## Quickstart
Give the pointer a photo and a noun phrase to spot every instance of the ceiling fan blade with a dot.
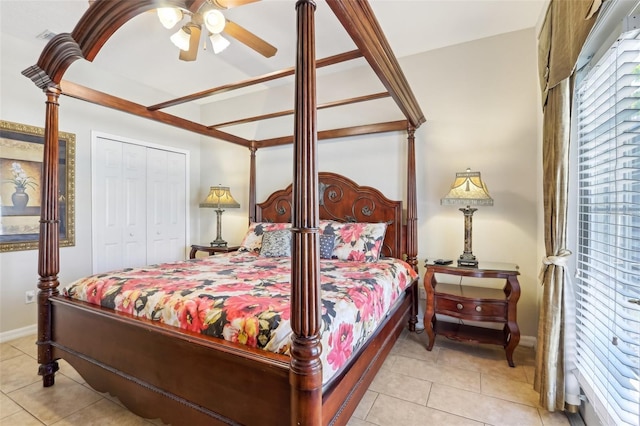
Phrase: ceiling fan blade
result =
(194, 43)
(248, 38)
(228, 4)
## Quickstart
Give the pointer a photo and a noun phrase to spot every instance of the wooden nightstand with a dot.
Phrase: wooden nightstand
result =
(211, 250)
(474, 303)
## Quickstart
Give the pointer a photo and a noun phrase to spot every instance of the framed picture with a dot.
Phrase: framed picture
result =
(21, 156)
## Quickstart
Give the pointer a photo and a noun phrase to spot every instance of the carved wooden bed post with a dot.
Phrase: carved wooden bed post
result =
(412, 212)
(412, 218)
(61, 51)
(305, 376)
(252, 184)
(48, 252)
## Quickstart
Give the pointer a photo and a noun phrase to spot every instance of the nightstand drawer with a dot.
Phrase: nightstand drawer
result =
(478, 310)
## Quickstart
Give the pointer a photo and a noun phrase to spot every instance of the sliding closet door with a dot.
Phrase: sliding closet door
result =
(166, 200)
(139, 204)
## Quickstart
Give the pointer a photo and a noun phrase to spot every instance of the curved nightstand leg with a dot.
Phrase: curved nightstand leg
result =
(512, 337)
(430, 310)
(429, 327)
(413, 316)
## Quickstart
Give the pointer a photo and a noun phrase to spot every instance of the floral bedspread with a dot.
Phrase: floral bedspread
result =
(244, 298)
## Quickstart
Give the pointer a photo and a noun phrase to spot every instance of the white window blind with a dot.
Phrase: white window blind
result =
(608, 258)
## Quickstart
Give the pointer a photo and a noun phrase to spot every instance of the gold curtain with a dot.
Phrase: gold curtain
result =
(549, 377)
(563, 33)
(562, 36)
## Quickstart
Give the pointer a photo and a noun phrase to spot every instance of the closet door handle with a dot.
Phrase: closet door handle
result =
(636, 301)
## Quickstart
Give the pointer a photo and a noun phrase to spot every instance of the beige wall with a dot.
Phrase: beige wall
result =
(481, 106)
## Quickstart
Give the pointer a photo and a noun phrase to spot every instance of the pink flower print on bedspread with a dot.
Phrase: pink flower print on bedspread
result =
(192, 313)
(361, 296)
(95, 291)
(340, 345)
(243, 330)
(126, 301)
(252, 319)
(249, 305)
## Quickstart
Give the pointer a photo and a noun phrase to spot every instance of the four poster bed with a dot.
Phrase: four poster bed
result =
(182, 374)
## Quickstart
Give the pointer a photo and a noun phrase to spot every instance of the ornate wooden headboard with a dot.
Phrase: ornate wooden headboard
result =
(343, 200)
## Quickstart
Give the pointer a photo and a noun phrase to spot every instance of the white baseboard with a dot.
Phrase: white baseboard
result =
(6, 336)
(528, 341)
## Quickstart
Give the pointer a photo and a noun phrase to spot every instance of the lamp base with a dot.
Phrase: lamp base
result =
(468, 259)
(218, 243)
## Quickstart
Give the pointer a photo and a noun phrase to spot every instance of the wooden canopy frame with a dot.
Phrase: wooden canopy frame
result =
(97, 25)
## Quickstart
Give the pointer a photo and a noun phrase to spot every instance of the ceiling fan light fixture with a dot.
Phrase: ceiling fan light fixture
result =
(219, 43)
(169, 16)
(214, 20)
(181, 38)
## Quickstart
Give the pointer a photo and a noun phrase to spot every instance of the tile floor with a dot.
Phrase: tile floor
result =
(455, 384)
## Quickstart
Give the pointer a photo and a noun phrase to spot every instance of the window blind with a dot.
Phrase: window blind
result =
(608, 240)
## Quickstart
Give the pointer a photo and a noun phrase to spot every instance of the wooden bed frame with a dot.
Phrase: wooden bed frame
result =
(187, 378)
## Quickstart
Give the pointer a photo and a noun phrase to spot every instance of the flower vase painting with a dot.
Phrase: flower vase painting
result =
(22, 181)
(21, 157)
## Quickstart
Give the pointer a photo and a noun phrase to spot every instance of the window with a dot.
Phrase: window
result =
(608, 240)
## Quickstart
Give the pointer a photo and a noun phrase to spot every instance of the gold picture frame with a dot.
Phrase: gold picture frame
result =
(21, 156)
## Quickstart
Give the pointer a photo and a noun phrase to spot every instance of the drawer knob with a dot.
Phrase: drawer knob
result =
(459, 306)
(478, 308)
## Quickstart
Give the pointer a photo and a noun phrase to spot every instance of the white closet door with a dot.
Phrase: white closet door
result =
(134, 204)
(119, 198)
(166, 200)
(139, 204)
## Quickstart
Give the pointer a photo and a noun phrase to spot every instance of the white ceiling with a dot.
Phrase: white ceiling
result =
(411, 26)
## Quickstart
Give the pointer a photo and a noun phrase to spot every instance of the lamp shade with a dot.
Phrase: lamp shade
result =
(169, 16)
(219, 43)
(220, 197)
(214, 20)
(468, 189)
(181, 38)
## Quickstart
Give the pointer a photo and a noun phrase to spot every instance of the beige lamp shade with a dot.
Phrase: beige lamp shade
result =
(468, 189)
(220, 198)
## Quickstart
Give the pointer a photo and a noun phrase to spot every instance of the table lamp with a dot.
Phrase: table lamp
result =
(468, 190)
(219, 198)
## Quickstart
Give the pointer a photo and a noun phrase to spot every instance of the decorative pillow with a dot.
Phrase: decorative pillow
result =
(357, 241)
(252, 241)
(276, 243)
(326, 246)
(324, 223)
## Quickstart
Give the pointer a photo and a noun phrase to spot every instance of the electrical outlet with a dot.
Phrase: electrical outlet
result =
(422, 294)
(30, 296)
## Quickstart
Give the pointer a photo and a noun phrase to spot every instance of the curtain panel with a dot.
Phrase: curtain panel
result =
(550, 371)
(564, 31)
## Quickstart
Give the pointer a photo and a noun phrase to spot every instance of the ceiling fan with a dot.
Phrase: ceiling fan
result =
(209, 16)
